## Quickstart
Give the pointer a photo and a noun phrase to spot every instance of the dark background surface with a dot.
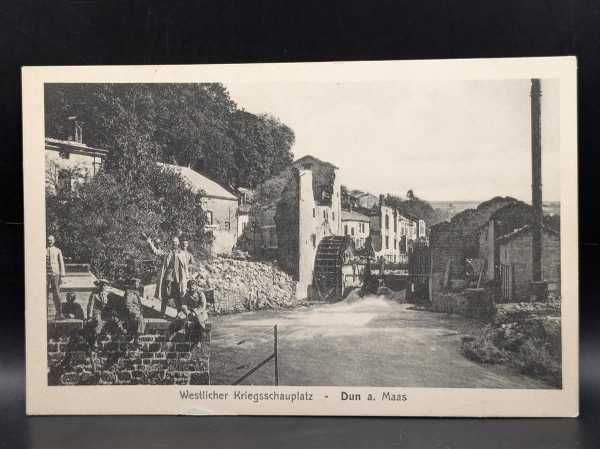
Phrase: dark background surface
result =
(82, 32)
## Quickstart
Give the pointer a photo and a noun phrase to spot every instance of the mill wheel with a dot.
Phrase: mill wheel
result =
(329, 259)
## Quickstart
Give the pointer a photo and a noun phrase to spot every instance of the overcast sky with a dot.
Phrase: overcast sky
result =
(466, 140)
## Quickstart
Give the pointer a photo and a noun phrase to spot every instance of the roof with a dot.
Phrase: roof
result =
(309, 158)
(200, 182)
(524, 229)
(71, 146)
(351, 215)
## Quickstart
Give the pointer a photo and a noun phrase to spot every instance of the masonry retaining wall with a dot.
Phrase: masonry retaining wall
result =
(119, 361)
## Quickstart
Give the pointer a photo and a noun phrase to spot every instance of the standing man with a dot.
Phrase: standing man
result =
(55, 271)
(187, 255)
(172, 279)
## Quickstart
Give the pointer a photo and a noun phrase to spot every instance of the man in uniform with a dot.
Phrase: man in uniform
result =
(192, 317)
(173, 274)
(195, 300)
(187, 255)
(133, 309)
(71, 309)
(55, 271)
(98, 311)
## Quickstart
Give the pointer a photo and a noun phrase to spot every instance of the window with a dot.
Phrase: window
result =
(228, 226)
(395, 226)
(345, 229)
(314, 213)
(332, 216)
(352, 230)
(387, 242)
(387, 222)
(395, 243)
(313, 237)
(209, 217)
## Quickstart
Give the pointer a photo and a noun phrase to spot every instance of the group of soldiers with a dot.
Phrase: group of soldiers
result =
(110, 313)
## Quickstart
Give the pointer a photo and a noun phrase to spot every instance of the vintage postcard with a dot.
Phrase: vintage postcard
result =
(346, 238)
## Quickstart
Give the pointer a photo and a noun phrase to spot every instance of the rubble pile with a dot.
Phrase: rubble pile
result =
(241, 285)
(525, 335)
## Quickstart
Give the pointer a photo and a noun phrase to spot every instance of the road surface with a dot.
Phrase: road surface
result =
(370, 342)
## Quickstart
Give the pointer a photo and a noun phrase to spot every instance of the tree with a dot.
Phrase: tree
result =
(186, 124)
(415, 207)
(102, 220)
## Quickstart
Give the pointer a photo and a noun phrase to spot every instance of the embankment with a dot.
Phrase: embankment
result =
(240, 285)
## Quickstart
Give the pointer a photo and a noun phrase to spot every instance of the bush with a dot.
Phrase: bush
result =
(102, 221)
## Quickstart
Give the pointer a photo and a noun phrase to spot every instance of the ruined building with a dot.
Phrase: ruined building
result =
(309, 209)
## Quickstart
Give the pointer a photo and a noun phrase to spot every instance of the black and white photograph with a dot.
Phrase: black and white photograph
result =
(193, 228)
(392, 233)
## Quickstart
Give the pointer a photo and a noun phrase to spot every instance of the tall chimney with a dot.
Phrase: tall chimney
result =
(538, 286)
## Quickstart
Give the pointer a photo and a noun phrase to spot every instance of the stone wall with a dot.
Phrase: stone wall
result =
(119, 361)
(240, 285)
(517, 251)
(472, 303)
(449, 247)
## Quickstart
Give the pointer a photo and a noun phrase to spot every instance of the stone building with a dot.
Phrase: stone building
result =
(391, 232)
(220, 205)
(357, 226)
(515, 259)
(451, 243)
(69, 162)
(319, 213)
(243, 213)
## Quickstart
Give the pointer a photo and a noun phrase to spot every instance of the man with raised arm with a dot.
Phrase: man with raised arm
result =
(172, 279)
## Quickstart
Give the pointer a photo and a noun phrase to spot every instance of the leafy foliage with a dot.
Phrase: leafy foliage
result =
(185, 124)
(415, 207)
(101, 220)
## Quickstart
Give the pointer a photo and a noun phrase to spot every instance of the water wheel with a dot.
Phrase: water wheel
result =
(328, 279)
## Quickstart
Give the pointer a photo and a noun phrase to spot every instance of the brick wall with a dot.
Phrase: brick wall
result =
(118, 361)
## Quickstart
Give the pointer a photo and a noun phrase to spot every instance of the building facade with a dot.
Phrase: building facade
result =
(515, 258)
(392, 233)
(69, 162)
(357, 226)
(220, 206)
(319, 215)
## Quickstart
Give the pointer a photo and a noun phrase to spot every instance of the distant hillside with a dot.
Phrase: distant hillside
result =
(448, 209)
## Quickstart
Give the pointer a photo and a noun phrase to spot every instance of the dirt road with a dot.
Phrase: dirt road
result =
(371, 342)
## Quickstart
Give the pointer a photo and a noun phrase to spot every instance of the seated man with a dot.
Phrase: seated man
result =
(180, 324)
(192, 317)
(133, 309)
(71, 309)
(98, 311)
(195, 300)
